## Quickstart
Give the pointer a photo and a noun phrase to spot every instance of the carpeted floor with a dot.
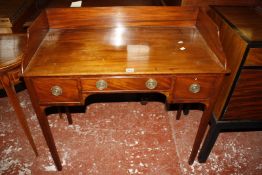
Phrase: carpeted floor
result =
(122, 138)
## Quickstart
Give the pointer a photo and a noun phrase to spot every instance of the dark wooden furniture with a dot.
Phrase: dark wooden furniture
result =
(14, 13)
(239, 104)
(206, 3)
(11, 53)
(104, 3)
(76, 52)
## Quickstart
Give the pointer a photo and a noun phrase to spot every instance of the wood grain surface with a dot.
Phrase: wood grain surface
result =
(246, 101)
(125, 16)
(254, 57)
(234, 48)
(114, 51)
(247, 21)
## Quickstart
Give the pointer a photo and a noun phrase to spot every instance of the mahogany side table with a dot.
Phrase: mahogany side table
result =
(11, 53)
(73, 53)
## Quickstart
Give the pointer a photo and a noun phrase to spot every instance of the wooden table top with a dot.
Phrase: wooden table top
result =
(120, 50)
(11, 50)
(247, 20)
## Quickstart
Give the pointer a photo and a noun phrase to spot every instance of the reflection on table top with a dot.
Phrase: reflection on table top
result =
(148, 50)
(11, 49)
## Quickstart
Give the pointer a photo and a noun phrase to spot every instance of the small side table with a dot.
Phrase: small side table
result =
(11, 52)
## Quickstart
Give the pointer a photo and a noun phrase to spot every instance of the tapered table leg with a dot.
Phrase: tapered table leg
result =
(200, 133)
(69, 116)
(179, 111)
(43, 121)
(208, 143)
(44, 125)
(60, 112)
(10, 91)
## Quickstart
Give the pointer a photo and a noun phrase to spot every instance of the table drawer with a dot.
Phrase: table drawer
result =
(51, 90)
(126, 83)
(254, 57)
(189, 87)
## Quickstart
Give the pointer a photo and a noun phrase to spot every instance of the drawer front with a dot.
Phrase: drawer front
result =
(126, 83)
(246, 101)
(194, 87)
(51, 90)
(254, 57)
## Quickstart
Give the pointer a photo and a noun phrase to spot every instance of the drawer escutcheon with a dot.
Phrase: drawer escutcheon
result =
(194, 88)
(101, 84)
(151, 83)
(56, 90)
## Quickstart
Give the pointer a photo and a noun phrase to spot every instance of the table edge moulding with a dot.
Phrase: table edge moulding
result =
(75, 52)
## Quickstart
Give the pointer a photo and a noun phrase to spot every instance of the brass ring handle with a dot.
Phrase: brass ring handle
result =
(151, 83)
(101, 84)
(194, 88)
(56, 90)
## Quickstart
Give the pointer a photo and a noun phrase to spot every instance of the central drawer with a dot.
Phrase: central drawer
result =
(126, 83)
